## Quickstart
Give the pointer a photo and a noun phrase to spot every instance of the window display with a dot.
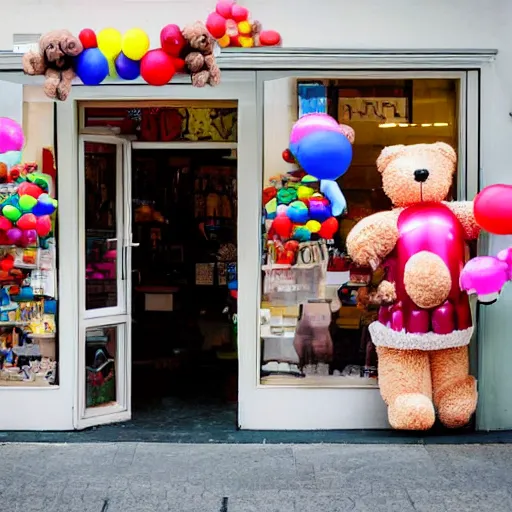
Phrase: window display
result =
(317, 304)
(28, 273)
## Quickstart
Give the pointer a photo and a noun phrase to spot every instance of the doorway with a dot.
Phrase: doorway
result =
(159, 224)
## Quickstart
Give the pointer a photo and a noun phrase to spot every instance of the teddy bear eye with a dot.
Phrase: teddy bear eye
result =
(51, 46)
(71, 46)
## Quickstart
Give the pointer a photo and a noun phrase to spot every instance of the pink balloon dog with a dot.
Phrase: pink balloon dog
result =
(485, 276)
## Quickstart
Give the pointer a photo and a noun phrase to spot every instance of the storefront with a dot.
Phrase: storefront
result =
(436, 95)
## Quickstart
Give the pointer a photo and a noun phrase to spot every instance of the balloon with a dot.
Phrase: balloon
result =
(92, 66)
(484, 276)
(14, 235)
(11, 158)
(110, 42)
(179, 65)
(157, 68)
(282, 226)
(297, 212)
(329, 228)
(319, 209)
(313, 225)
(216, 25)
(304, 192)
(271, 209)
(324, 154)
(28, 237)
(27, 221)
(310, 123)
(112, 72)
(239, 13)
(135, 44)
(29, 189)
(27, 202)
(301, 234)
(45, 206)
(333, 193)
(493, 209)
(11, 213)
(172, 40)
(126, 68)
(224, 8)
(88, 38)
(11, 135)
(269, 38)
(7, 263)
(5, 224)
(43, 226)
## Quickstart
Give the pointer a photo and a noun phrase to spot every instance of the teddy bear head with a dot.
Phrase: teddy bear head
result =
(199, 38)
(58, 46)
(418, 172)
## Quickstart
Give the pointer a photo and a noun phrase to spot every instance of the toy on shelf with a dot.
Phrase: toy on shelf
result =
(231, 26)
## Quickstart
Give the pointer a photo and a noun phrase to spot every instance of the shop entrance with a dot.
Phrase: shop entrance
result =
(159, 216)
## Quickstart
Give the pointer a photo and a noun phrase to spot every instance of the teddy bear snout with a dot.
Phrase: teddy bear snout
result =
(421, 175)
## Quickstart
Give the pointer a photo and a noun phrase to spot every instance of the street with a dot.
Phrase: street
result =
(150, 477)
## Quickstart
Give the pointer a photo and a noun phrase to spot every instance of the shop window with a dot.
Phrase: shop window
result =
(28, 257)
(314, 317)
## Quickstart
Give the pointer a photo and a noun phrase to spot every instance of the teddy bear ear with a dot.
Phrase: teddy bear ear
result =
(348, 132)
(447, 151)
(387, 155)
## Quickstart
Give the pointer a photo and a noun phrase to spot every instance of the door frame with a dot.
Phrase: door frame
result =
(239, 86)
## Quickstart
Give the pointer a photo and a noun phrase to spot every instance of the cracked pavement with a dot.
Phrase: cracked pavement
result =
(150, 477)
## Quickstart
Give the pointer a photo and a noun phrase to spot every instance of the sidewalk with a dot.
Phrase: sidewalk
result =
(146, 477)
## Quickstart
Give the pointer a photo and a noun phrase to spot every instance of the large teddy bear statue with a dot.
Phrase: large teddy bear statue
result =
(424, 324)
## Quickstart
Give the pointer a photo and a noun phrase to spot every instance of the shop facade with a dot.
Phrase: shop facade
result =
(264, 86)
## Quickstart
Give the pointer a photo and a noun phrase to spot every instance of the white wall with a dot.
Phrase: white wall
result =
(302, 23)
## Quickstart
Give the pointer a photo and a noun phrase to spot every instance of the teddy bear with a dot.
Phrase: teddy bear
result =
(198, 55)
(54, 60)
(424, 324)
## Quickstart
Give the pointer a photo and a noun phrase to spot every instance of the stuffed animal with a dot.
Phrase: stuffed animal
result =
(198, 55)
(423, 331)
(54, 60)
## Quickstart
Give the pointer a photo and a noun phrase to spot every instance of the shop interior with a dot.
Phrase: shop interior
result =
(381, 113)
(183, 259)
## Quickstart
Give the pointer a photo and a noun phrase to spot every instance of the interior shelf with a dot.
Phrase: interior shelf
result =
(184, 145)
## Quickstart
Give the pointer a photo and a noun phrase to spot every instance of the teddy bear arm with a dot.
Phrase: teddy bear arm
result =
(464, 212)
(373, 238)
(33, 63)
(194, 62)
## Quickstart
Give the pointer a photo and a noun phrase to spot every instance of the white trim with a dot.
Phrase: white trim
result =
(184, 145)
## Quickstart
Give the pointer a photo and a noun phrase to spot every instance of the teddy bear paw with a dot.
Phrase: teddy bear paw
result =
(412, 411)
(458, 403)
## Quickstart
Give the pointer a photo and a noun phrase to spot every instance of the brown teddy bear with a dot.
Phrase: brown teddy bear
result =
(424, 324)
(57, 49)
(198, 55)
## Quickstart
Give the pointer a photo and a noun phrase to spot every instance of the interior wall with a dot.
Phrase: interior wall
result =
(38, 119)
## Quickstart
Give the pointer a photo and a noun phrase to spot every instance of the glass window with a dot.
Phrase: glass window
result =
(28, 255)
(314, 316)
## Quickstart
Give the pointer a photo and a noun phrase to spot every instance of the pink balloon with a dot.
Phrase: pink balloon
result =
(11, 135)
(311, 123)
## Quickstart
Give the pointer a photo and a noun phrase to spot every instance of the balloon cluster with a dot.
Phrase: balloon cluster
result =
(110, 53)
(324, 151)
(11, 142)
(26, 215)
(230, 24)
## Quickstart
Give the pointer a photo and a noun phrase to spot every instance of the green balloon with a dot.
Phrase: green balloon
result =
(12, 213)
(27, 202)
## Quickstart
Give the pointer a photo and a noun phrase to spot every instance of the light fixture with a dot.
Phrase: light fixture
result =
(413, 125)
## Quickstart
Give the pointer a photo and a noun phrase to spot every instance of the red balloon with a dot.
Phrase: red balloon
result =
(329, 228)
(493, 209)
(224, 8)
(5, 224)
(88, 38)
(27, 221)
(216, 25)
(269, 38)
(29, 189)
(157, 68)
(172, 40)
(43, 225)
(179, 65)
(239, 13)
(7, 263)
(282, 226)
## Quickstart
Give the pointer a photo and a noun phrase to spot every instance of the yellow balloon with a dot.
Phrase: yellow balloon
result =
(304, 192)
(109, 42)
(135, 44)
(313, 225)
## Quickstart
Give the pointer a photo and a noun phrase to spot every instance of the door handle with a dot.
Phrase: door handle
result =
(132, 243)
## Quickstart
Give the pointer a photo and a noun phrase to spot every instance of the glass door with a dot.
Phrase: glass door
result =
(104, 387)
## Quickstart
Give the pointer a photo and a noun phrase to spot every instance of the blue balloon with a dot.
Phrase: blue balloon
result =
(326, 155)
(126, 68)
(11, 158)
(331, 190)
(92, 66)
